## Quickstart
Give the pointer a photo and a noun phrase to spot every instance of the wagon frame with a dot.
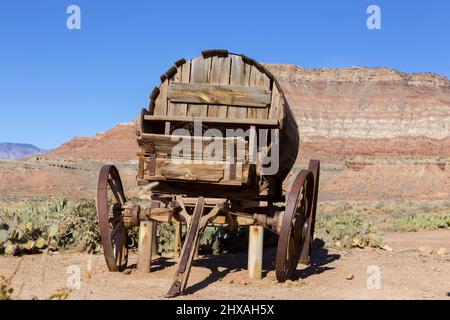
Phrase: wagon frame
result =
(219, 90)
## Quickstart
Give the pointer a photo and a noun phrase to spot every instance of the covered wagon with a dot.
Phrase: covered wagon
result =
(217, 141)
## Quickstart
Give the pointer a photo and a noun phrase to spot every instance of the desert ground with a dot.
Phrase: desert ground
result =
(408, 271)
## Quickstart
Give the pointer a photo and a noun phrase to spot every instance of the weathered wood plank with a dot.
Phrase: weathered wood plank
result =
(240, 75)
(258, 79)
(185, 78)
(206, 172)
(192, 172)
(214, 120)
(239, 96)
(174, 109)
(172, 145)
(200, 68)
(161, 100)
(276, 103)
(220, 74)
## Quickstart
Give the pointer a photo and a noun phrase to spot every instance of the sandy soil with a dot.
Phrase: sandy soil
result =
(405, 274)
(435, 239)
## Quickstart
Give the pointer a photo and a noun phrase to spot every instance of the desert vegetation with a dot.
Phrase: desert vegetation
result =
(61, 225)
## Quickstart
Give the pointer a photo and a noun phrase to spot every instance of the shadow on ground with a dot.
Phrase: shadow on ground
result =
(223, 264)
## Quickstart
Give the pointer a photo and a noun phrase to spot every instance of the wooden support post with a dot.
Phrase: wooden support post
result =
(197, 250)
(177, 244)
(154, 239)
(145, 246)
(255, 252)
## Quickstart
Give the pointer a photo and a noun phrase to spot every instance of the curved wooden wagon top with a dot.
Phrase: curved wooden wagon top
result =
(222, 91)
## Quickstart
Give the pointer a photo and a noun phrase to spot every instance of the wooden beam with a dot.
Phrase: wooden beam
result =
(214, 120)
(177, 242)
(234, 95)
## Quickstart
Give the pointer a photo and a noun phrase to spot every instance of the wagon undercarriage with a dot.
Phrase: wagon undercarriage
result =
(294, 223)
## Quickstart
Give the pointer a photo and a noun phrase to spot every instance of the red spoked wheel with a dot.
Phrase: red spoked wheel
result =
(113, 232)
(297, 226)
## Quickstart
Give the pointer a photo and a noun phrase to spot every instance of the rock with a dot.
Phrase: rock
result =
(231, 281)
(441, 252)
(288, 283)
(244, 282)
(350, 277)
(426, 250)
(384, 134)
(271, 274)
(387, 248)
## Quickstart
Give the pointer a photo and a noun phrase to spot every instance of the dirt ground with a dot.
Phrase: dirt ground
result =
(406, 273)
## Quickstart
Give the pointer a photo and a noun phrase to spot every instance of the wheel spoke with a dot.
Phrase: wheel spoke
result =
(117, 228)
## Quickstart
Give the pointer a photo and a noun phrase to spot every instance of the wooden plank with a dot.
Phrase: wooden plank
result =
(172, 170)
(220, 74)
(161, 100)
(240, 75)
(213, 120)
(199, 74)
(206, 172)
(164, 145)
(177, 242)
(239, 96)
(220, 220)
(258, 79)
(276, 103)
(174, 109)
(185, 78)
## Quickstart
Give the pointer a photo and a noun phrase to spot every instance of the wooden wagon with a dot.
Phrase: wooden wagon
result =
(217, 141)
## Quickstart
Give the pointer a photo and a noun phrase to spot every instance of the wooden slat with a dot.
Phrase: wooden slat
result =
(199, 74)
(207, 172)
(240, 96)
(163, 145)
(240, 75)
(161, 101)
(192, 172)
(185, 78)
(220, 74)
(256, 122)
(276, 103)
(258, 79)
(175, 109)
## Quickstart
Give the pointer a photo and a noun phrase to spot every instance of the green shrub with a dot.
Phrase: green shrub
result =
(419, 222)
(347, 230)
(56, 225)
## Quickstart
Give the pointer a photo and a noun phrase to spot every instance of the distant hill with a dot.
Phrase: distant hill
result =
(116, 144)
(17, 151)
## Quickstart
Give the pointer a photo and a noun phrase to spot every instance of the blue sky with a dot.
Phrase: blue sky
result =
(56, 83)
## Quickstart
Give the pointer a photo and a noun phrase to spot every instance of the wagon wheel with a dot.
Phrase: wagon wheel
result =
(114, 235)
(305, 256)
(295, 226)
